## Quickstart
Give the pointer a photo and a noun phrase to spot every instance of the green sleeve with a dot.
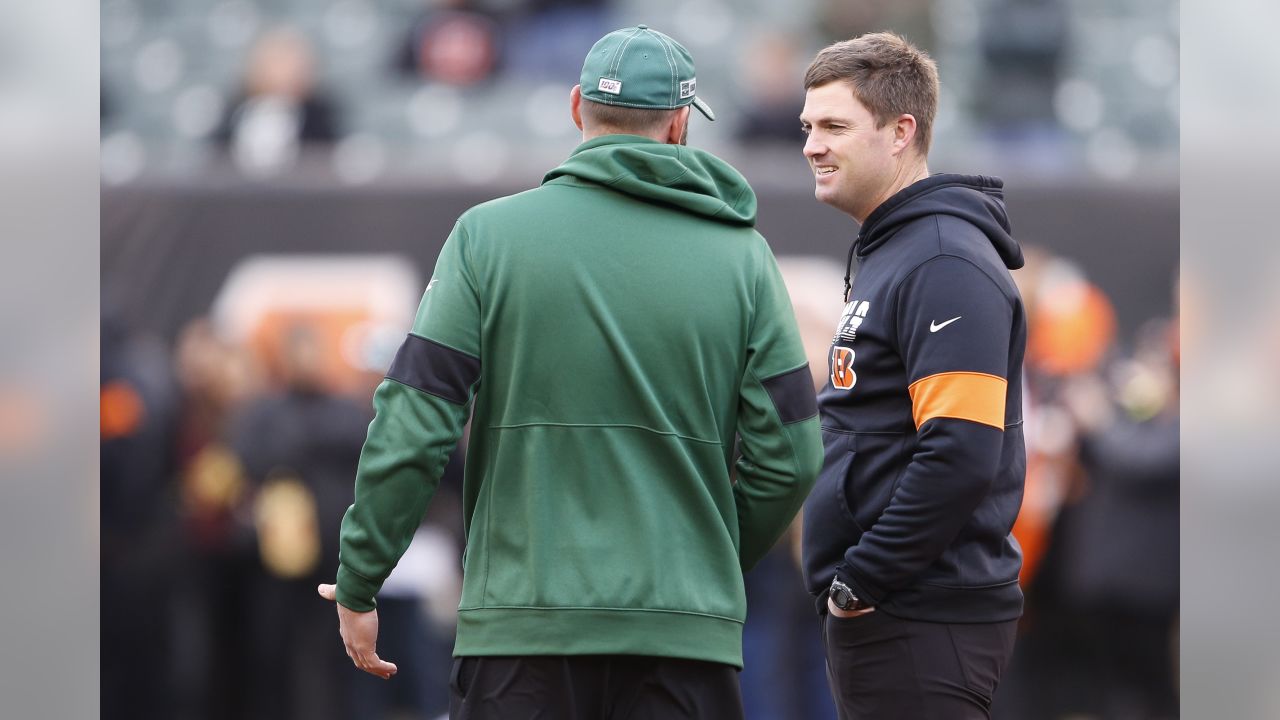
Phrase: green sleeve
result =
(777, 422)
(420, 408)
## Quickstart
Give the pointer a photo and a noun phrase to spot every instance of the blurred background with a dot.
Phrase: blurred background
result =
(279, 175)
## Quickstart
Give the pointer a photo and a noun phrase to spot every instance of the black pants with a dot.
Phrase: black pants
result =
(592, 687)
(886, 668)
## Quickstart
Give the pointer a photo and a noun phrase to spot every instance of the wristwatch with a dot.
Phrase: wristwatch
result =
(842, 597)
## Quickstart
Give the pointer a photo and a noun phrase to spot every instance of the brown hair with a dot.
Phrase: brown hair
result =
(635, 121)
(889, 75)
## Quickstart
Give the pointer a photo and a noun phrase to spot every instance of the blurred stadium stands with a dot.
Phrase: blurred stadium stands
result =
(1086, 88)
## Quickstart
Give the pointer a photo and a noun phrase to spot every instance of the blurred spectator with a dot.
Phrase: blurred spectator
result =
(279, 107)
(299, 450)
(771, 68)
(1101, 514)
(1124, 571)
(550, 37)
(1024, 43)
(454, 42)
(216, 379)
(138, 410)
(1071, 327)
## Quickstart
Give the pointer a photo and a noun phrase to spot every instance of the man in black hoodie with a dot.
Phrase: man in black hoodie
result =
(907, 542)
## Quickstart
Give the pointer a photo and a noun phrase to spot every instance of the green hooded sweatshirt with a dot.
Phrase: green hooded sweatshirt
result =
(617, 329)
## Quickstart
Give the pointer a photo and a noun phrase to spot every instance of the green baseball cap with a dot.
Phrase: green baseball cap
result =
(641, 68)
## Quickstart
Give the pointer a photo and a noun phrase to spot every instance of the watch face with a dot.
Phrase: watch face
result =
(842, 598)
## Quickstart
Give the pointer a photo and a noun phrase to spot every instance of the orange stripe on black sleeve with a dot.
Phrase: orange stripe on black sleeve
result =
(978, 397)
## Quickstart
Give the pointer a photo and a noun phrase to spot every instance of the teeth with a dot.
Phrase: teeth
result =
(826, 170)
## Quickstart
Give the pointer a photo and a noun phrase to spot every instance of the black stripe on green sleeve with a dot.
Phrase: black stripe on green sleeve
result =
(435, 369)
(792, 394)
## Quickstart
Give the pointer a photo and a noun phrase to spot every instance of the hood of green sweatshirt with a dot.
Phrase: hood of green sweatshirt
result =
(688, 178)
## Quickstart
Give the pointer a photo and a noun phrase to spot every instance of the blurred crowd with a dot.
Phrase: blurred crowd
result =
(225, 474)
(226, 467)
(1044, 82)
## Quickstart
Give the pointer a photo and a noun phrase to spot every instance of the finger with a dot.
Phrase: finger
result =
(328, 592)
(375, 665)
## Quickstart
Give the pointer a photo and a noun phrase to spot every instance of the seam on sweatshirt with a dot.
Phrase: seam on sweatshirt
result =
(990, 586)
(451, 401)
(604, 609)
(517, 426)
(353, 572)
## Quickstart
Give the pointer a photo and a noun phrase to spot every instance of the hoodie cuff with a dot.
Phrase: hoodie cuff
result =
(356, 592)
(860, 588)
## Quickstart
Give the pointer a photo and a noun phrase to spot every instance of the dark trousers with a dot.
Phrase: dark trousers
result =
(592, 687)
(885, 668)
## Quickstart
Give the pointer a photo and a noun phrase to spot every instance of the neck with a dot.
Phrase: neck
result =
(907, 174)
(600, 132)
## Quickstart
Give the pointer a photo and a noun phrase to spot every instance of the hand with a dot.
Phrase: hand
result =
(837, 612)
(1087, 401)
(359, 632)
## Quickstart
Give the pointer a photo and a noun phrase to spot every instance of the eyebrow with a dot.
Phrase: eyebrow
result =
(826, 120)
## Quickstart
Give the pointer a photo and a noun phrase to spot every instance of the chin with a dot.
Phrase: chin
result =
(828, 197)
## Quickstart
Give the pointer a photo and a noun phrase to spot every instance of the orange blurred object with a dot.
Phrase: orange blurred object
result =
(1035, 519)
(121, 410)
(328, 321)
(333, 330)
(1070, 329)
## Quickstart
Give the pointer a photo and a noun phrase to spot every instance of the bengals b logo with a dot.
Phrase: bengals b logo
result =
(842, 374)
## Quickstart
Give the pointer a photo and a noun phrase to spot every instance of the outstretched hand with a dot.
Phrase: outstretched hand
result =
(359, 632)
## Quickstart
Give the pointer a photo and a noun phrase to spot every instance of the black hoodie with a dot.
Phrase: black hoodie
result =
(922, 412)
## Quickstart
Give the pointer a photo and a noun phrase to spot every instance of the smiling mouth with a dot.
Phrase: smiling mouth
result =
(824, 170)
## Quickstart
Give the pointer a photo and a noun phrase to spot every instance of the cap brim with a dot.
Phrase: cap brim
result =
(704, 108)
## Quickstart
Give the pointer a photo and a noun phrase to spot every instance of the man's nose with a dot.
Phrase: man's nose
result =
(814, 147)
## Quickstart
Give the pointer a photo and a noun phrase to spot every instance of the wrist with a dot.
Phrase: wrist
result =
(843, 598)
(354, 591)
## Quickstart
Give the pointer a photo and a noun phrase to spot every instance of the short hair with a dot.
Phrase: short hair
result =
(635, 121)
(889, 75)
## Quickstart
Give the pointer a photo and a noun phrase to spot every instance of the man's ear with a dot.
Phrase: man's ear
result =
(575, 105)
(677, 130)
(904, 132)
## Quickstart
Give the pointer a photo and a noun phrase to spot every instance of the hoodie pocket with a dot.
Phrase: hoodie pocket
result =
(828, 518)
(874, 468)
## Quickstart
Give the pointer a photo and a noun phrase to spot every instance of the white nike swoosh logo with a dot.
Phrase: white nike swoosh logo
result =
(433, 282)
(935, 327)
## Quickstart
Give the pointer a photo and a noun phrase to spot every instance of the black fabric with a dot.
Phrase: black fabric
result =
(592, 687)
(882, 668)
(792, 394)
(435, 369)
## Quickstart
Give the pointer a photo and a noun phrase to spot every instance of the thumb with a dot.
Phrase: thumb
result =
(328, 592)
(380, 667)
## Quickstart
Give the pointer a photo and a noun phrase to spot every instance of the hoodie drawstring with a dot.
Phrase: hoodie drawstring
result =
(848, 271)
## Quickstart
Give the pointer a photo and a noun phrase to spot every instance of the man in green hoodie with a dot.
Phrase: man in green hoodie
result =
(644, 422)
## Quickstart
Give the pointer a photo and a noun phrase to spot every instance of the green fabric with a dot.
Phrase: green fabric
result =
(641, 68)
(624, 314)
(677, 175)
